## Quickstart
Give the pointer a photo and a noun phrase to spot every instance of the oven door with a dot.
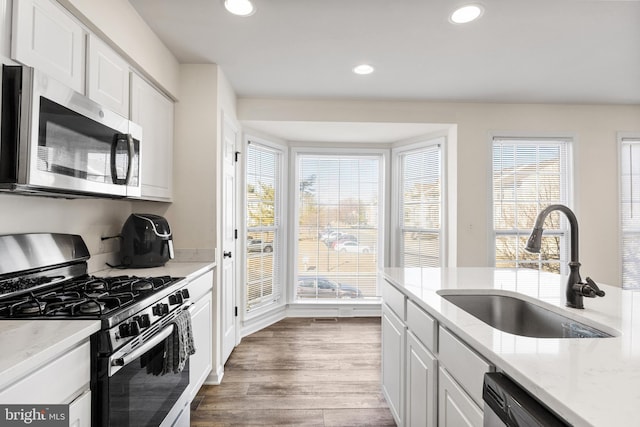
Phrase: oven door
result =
(135, 392)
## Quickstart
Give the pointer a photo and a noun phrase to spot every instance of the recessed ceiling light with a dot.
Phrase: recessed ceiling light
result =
(239, 7)
(466, 14)
(363, 69)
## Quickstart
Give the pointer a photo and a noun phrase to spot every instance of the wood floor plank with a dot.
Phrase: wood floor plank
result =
(357, 417)
(300, 372)
(250, 417)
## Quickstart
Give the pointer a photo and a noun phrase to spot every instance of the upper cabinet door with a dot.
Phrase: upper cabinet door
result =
(154, 112)
(107, 76)
(47, 37)
(5, 28)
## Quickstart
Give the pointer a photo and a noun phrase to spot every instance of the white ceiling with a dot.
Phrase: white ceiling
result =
(536, 51)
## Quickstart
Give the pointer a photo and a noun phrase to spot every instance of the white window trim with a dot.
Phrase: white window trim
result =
(396, 185)
(294, 197)
(572, 146)
(262, 310)
(621, 136)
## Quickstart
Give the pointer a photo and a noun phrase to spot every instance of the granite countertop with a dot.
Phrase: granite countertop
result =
(587, 381)
(29, 344)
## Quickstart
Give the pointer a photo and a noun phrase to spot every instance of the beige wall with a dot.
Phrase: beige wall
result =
(117, 22)
(596, 160)
(193, 211)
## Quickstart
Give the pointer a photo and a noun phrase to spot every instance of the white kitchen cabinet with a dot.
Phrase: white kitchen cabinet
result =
(5, 28)
(75, 363)
(464, 364)
(455, 407)
(201, 362)
(80, 411)
(107, 76)
(154, 112)
(421, 392)
(393, 356)
(47, 37)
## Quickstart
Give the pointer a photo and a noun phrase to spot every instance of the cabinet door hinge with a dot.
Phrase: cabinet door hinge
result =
(235, 233)
(236, 311)
(237, 155)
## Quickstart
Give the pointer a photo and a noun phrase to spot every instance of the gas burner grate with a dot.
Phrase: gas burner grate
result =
(24, 283)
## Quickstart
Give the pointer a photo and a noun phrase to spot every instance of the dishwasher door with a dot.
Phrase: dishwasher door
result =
(507, 404)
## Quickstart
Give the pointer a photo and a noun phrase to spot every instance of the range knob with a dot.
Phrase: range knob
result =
(160, 309)
(185, 293)
(129, 329)
(175, 299)
(144, 321)
(134, 328)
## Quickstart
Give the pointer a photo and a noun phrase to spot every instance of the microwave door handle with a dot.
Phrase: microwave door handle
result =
(120, 362)
(114, 150)
(130, 150)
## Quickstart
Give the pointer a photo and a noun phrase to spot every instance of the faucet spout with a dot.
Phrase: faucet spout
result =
(576, 289)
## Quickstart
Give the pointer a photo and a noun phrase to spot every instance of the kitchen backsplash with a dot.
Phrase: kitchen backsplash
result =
(90, 218)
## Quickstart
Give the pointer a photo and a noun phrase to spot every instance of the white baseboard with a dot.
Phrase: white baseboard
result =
(215, 378)
(262, 321)
(329, 310)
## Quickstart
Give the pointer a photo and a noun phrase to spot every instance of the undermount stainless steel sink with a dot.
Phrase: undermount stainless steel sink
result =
(520, 317)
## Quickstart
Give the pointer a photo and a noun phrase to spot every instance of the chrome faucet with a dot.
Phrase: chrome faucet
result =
(576, 288)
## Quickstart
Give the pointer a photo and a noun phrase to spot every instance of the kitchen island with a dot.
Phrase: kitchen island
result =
(586, 381)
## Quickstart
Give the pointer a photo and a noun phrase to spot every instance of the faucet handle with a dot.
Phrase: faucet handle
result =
(596, 289)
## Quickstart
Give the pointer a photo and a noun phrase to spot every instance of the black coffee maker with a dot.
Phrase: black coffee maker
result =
(146, 241)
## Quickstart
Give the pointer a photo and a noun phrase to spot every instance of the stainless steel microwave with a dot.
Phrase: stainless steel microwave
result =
(59, 142)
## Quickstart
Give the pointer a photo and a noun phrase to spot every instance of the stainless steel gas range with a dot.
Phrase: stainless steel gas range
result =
(139, 365)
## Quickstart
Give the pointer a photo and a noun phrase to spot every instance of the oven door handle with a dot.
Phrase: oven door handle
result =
(139, 351)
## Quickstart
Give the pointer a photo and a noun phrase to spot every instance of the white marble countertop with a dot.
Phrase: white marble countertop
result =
(587, 381)
(172, 268)
(28, 344)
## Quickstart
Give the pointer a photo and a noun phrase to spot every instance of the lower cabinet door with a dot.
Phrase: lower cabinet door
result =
(393, 336)
(80, 411)
(421, 392)
(201, 362)
(455, 407)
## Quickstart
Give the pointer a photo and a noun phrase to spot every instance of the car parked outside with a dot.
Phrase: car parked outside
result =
(257, 245)
(322, 287)
(339, 236)
(351, 246)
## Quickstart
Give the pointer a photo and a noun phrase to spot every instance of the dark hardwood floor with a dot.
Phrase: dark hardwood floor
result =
(300, 372)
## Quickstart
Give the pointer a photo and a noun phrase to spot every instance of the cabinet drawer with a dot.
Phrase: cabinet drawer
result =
(422, 326)
(394, 299)
(466, 366)
(45, 384)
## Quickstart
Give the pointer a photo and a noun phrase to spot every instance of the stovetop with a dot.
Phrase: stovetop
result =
(83, 297)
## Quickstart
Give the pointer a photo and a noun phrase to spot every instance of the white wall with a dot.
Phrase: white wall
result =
(596, 175)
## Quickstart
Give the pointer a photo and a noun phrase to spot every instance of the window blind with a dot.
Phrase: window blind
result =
(264, 228)
(528, 175)
(337, 214)
(630, 211)
(420, 206)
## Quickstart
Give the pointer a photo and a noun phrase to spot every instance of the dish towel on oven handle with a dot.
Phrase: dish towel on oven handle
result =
(179, 345)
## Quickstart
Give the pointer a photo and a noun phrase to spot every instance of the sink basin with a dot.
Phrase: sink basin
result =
(521, 317)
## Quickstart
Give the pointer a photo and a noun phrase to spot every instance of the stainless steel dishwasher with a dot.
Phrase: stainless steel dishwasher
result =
(507, 404)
